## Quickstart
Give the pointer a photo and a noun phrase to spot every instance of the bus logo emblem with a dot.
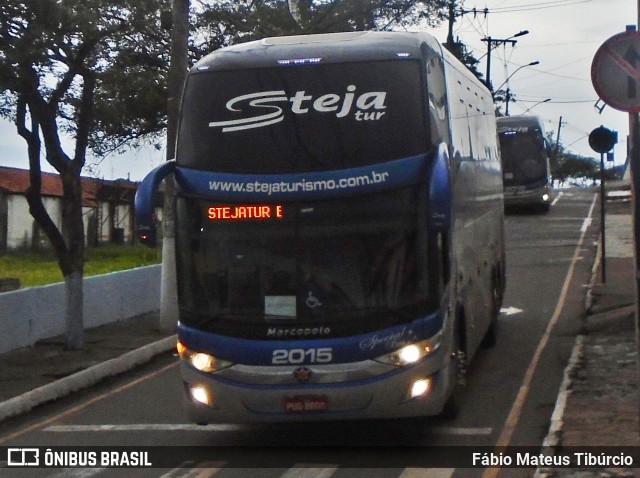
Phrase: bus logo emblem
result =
(302, 374)
(369, 106)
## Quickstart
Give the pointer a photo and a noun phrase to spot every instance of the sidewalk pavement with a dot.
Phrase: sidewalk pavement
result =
(46, 371)
(599, 400)
(598, 403)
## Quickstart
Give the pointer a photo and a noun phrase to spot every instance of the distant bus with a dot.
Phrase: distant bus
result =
(339, 235)
(525, 162)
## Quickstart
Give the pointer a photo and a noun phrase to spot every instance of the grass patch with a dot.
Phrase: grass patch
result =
(41, 268)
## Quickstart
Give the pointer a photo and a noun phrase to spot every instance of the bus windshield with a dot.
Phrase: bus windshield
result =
(523, 157)
(299, 118)
(351, 264)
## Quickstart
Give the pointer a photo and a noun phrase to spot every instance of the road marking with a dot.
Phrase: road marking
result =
(427, 473)
(460, 431)
(516, 410)
(205, 469)
(135, 427)
(555, 201)
(77, 472)
(510, 311)
(301, 470)
(86, 404)
(170, 427)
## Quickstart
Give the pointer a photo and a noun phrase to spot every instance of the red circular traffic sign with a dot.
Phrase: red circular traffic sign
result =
(615, 71)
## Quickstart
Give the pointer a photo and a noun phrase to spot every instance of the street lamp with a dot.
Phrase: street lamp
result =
(508, 95)
(539, 102)
(493, 42)
(533, 63)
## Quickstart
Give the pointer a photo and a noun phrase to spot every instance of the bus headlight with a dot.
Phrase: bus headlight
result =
(412, 353)
(201, 361)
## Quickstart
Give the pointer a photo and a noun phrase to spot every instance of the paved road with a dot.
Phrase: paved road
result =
(510, 395)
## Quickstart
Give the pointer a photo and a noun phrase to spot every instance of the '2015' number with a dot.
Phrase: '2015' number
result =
(300, 356)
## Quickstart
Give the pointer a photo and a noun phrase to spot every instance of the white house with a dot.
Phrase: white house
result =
(107, 207)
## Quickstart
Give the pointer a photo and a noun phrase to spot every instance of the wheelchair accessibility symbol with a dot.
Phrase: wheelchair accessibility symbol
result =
(312, 301)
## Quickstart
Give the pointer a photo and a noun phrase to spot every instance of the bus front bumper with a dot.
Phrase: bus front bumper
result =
(533, 197)
(219, 400)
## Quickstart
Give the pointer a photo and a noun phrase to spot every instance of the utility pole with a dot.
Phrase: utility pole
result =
(176, 77)
(602, 140)
(634, 163)
(554, 154)
(494, 42)
(452, 19)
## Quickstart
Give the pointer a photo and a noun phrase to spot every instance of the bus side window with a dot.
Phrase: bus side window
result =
(437, 98)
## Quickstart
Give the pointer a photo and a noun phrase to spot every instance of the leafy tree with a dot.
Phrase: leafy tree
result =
(227, 22)
(78, 69)
(570, 165)
(95, 71)
(461, 52)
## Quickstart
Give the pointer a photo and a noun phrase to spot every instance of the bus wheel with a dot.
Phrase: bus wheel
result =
(452, 405)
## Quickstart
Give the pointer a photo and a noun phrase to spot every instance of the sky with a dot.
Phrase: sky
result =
(563, 37)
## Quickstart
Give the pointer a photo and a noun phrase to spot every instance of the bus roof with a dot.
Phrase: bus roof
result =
(512, 121)
(325, 48)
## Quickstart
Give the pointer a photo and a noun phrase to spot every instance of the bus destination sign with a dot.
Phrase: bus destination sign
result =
(245, 212)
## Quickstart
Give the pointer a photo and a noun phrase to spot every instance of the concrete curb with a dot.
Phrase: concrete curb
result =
(555, 429)
(552, 440)
(85, 378)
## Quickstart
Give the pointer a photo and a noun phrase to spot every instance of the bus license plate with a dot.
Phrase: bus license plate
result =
(306, 404)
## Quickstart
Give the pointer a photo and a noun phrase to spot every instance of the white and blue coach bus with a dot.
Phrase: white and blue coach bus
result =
(339, 228)
(525, 162)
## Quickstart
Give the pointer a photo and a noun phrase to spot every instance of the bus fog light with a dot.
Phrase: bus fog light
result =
(420, 387)
(201, 395)
(545, 197)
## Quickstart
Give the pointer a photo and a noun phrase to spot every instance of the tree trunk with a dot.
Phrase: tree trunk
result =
(177, 75)
(294, 9)
(68, 241)
(73, 286)
(68, 245)
(72, 263)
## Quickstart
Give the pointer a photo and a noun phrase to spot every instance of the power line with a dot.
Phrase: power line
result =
(537, 6)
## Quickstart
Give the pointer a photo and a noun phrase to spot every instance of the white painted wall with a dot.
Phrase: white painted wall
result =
(35, 313)
(19, 222)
